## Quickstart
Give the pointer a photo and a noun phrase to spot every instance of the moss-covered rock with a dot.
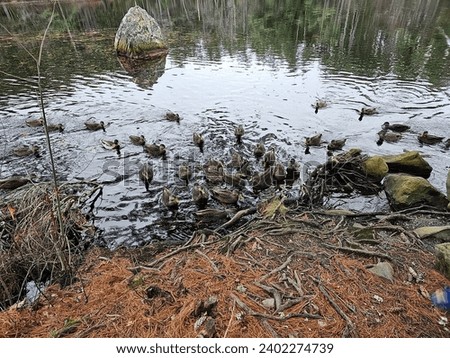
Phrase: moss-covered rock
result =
(407, 191)
(443, 258)
(375, 167)
(409, 162)
(139, 36)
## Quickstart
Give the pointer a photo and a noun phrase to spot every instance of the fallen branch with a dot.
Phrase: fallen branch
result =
(237, 217)
(358, 251)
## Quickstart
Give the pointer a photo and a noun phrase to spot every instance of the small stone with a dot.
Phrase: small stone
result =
(383, 269)
(269, 303)
(241, 288)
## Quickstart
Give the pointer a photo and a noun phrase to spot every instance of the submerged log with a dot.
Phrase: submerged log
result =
(139, 36)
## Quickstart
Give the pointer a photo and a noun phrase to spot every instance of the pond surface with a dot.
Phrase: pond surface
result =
(260, 64)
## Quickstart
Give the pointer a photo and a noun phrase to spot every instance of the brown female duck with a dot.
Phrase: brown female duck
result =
(395, 127)
(155, 150)
(367, 111)
(239, 132)
(225, 196)
(170, 200)
(35, 122)
(262, 181)
(198, 140)
(389, 137)
(95, 126)
(427, 138)
(269, 158)
(111, 145)
(137, 139)
(259, 150)
(173, 117)
(26, 150)
(200, 195)
(184, 173)
(336, 144)
(146, 175)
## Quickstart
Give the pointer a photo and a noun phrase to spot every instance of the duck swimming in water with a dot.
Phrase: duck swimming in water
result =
(225, 196)
(26, 150)
(320, 103)
(55, 127)
(259, 150)
(169, 200)
(269, 158)
(200, 195)
(427, 138)
(367, 111)
(336, 144)
(146, 175)
(184, 173)
(173, 117)
(198, 140)
(155, 150)
(239, 132)
(94, 126)
(137, 139)
(35, 122)
(389, 137)
(395, 127)
(111, 145)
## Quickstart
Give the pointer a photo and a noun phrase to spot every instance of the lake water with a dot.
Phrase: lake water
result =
(256, 63)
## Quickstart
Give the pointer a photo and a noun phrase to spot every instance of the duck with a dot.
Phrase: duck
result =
(320, 103)
(367, 111)
(315, 140)
(95, 126)
(427, 138)
(239, 132)
(225, 196)
(269, 158)
(262, 181)
(259, 150)
(146, 175)
(279, 173)
(13, 182)
(35, 122)
(211, 215)
(169, 200)
(236, 179)
(198, 140)
(111, 145)
(389, 137)
(237, 161)
(184, 173)
(173, 117)
(26, 150)
(200, 195)
(137, 139)
(55, 127)
(155, 150)
(395, 127)
(292, 170)
(336, 144)
(213, 170)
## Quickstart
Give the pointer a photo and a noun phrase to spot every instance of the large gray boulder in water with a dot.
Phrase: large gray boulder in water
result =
(139, 36)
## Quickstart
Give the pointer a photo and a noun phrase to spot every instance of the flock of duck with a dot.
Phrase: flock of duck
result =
(238, 171)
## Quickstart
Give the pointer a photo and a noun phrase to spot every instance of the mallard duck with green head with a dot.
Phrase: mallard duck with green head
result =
(155, 150)
(146, 174)
(427, 138)
(239, 132)
(200, 195)
(137, 139)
